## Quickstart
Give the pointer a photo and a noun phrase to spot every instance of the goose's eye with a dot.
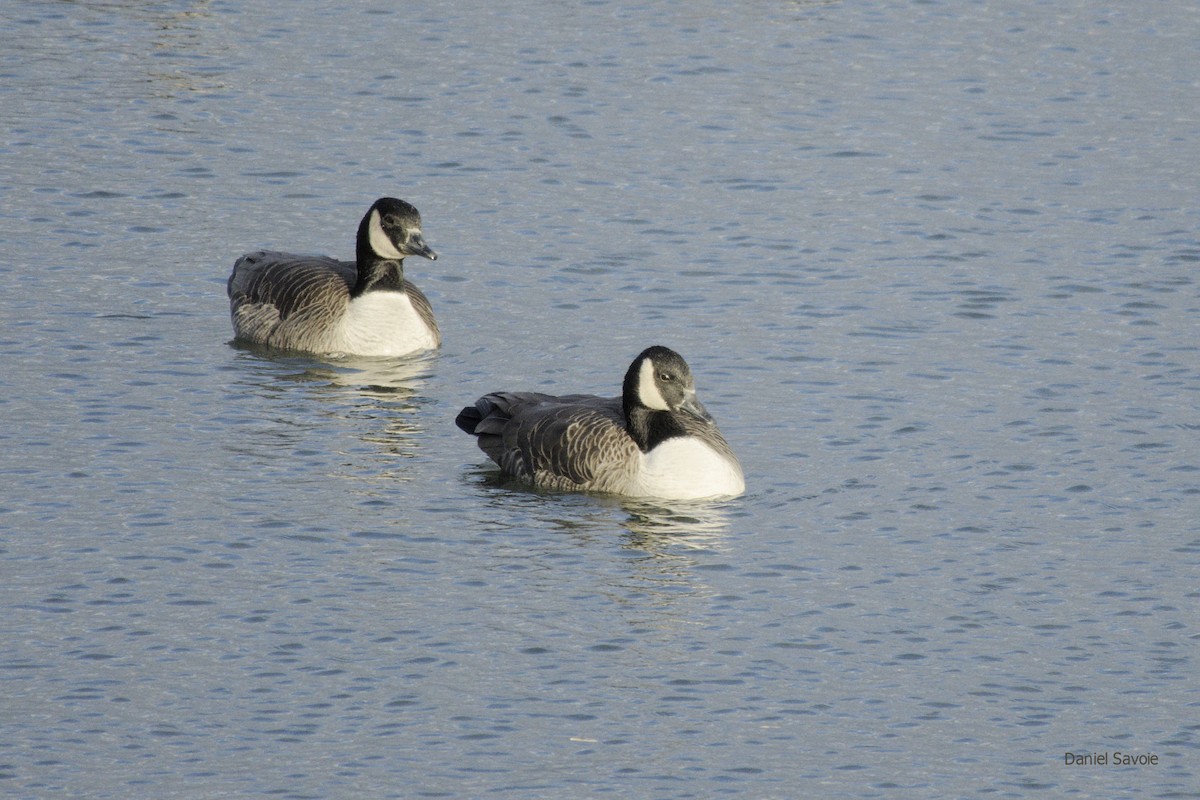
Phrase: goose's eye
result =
(666, 377)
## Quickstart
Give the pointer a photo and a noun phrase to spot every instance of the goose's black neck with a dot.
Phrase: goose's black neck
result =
(375, 273)
(650, 428)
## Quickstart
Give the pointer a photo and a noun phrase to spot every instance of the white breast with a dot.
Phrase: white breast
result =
(685, 468)
(382, 324)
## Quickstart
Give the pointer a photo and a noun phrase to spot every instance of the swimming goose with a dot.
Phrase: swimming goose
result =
(656, 440)
(321, 305)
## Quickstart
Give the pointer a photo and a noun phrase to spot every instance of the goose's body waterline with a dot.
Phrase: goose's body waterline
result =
(656, 440)
(318, 304)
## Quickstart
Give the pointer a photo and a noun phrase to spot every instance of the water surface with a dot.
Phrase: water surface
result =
(933, 265)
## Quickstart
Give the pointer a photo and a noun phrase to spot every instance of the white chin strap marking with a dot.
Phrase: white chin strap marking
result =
(648, 391)
(380, 242)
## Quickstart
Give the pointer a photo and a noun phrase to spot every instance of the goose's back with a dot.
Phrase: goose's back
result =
(283, 300)
(569, 442)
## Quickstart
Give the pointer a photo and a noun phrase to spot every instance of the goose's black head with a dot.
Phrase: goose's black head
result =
(658, 387)
(389, 232)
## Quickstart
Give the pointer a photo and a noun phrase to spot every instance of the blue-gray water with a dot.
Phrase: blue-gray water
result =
(934, 265)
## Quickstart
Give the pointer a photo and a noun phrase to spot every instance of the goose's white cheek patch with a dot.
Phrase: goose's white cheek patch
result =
(380, 242)
(648, 391)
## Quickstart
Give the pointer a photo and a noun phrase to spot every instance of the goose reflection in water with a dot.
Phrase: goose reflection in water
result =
(655, 526)
(658, 525)
(377, 398)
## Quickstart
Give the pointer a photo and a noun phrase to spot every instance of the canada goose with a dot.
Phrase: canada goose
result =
(656, 440)
(321, 305)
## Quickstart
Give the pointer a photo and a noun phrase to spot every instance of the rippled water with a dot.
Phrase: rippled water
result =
(933, 264)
